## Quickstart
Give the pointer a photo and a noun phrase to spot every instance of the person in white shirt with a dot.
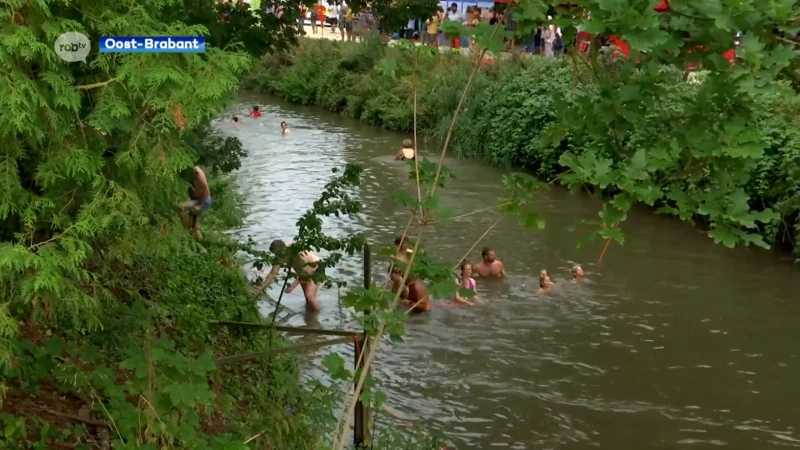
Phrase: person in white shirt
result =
(455, 15)
(550, 35)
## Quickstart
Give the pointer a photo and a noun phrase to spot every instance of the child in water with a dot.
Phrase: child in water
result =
(285, 128)
(407, 152)
(235, 121)
(255, 112)
(466, 282)
(544, 282)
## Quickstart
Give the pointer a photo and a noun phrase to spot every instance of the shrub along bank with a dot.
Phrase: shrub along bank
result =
(510, 109)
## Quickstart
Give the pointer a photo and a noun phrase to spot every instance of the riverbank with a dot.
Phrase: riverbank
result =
(509, 108)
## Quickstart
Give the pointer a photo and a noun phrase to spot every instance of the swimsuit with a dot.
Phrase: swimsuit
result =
(470, 284)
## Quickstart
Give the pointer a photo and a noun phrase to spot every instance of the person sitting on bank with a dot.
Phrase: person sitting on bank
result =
(490, 267)
(305, 265)
(200, 201)
(466, 282)
(414, 295)
(407, 152)
(285, 128)
(255, 112)
(544, 282)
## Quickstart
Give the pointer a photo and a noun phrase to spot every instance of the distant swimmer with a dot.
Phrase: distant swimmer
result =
(285, 128)
(235, 121)
(544, 282)
(301, 264)
(577, 274)
(490, 267)
(255, 112)
(407, 152)
(466, 282)
(414, 295)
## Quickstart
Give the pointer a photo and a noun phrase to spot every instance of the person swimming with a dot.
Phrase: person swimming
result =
(414, 295)
(490, 267)
(466, 282)
(285, 128)
(305, 265)
(235, 121)
(255, 112)
(577, 273)
(544, 282)
(407, 152)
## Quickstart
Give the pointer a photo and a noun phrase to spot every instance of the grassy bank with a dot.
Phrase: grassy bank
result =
(509, 116)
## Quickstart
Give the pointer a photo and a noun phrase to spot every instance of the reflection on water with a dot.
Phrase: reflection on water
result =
(673, 343)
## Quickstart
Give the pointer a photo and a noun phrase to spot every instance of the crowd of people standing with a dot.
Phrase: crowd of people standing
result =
(547, 39)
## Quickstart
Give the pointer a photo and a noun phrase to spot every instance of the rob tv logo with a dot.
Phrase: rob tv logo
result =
(72, 46)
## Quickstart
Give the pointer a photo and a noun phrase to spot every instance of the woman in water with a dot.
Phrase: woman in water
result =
(466, 282)
(285, 128)
(544, 282)
(255, 112)
(407, 152)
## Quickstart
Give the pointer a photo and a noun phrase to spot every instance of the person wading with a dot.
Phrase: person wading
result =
(414, 294)
(490, 267)
(407, 152)
(285, 128)
(466, 282)
(200, 201)
(305, 266)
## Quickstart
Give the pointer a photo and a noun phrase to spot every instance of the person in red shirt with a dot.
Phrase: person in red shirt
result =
(255, 112)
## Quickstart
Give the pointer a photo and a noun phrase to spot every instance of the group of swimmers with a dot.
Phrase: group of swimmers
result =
(255, 113)
(413, 292)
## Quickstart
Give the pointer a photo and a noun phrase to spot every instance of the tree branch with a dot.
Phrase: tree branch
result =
(99, 84)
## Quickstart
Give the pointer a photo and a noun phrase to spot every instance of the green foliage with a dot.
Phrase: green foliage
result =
(104, 324)
(633, 138)
(254, 31)
(218, 154)
(395, 14)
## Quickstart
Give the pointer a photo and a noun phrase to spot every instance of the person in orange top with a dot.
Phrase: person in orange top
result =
(255, 112)
(320, 10)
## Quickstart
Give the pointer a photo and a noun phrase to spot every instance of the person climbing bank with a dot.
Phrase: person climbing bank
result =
(305, 265)
(199, 203)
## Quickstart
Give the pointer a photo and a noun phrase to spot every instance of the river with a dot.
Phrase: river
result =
(676, 343)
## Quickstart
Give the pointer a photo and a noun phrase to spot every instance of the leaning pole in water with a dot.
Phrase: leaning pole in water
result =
(361, 419)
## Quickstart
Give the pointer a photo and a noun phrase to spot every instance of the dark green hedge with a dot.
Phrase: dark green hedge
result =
(509, 106)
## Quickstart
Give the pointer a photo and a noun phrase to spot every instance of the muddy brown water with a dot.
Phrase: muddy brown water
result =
(676, 343)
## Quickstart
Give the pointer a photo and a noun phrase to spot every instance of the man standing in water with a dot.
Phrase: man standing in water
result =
(305, 265)
(285, 128)
(490, 267)
(200, 202)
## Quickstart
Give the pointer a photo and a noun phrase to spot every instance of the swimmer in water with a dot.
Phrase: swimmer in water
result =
(235, 121)
(407, 152)
(414, 295)
(544, 282)
(490, 267)
(466, 282)
(401, 255)
(577, 274)
(285, 128)
(255, 112)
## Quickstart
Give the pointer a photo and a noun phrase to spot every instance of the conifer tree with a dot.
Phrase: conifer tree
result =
(90, 155)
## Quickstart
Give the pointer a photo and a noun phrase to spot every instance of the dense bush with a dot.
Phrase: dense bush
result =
(510, 113)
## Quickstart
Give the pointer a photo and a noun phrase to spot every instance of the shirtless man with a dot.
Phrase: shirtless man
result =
(414, 295)
(300, 265)
(490, 267)
(401, 255)
(199, 203)
(285, 128)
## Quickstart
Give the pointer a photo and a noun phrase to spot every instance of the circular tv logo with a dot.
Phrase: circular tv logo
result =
(73, 46)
